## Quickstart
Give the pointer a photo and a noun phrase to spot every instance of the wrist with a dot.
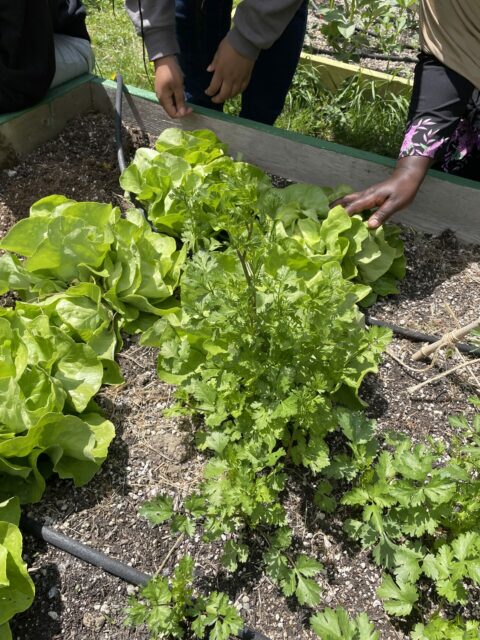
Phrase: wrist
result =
(159, 62)
(413, 167)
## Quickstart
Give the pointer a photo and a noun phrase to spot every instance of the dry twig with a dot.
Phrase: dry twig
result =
(462, 365)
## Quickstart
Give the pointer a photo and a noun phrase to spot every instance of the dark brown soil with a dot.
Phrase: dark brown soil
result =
(153, 454)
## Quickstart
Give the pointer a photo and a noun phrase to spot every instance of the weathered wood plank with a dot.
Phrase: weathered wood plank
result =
(22, 132)
(443, 203)
(333, 72)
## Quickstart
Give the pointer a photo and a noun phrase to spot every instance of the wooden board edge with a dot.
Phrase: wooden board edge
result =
(333, 73)
(105, 90)
(301, 158)
(51, 96)
(23, 132)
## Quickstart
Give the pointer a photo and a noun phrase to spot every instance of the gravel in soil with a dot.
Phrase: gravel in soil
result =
(154, 454)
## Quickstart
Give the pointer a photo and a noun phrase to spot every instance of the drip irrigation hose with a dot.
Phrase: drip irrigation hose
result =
(118, 123)
(103, 561)
(119, 144)
(418, 336)
(84, 552)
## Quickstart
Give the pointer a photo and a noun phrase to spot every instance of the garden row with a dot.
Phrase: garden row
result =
(266, 341)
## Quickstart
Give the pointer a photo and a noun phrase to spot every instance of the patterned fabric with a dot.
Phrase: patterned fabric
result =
(424, 138)
(444, 119)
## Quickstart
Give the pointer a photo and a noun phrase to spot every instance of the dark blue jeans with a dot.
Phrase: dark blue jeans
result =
(202, 24)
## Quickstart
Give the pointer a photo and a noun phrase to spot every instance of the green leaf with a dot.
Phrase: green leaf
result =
(234, 553)
(308, 592)
(407, 561)
(398, 598)
(335, 624)
(158, 510)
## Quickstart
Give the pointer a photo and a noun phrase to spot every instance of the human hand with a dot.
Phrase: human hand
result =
(169, 87)
(231, 73)
(391, 195)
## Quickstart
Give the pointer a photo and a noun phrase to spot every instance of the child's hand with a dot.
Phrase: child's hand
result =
(169, 87)
(231, 73)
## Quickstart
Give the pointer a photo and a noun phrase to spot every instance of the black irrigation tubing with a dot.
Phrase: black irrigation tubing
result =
(119, 144)
(418, 336)
(118, 123)
(102, 561)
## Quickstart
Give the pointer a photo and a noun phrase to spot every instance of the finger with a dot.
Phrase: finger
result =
(211, 67)
(383, 213)
(345, 200)
(364, 201)
(215, 84)
(180, 102)
(225, 93)
(168, 103)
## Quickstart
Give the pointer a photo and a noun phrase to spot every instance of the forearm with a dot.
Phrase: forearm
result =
(257, 25)
(154, 20)
(412, 168)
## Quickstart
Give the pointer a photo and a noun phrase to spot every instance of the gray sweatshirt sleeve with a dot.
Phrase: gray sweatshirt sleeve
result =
(158, 25)
(259, 23)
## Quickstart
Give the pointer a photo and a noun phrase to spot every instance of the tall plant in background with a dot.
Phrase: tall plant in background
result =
(348, 25)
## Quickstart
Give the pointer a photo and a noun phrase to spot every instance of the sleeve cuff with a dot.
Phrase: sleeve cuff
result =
(161, 42)
(241, 45)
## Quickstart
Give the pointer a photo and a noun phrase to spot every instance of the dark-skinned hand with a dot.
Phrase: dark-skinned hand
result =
(392, 195)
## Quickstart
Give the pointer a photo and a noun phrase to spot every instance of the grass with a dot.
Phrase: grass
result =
(355, 116)
(117, 47)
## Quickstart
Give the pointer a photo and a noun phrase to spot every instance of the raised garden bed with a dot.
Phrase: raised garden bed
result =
(152, 454)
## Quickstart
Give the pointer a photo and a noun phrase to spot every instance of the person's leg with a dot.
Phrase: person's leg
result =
(272, 75)
(201, 25)
(73, 57)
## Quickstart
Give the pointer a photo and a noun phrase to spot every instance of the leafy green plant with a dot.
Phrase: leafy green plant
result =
(349, 25)
(169, 608)
(269, 340)
(16, 586)
(132, 271)
(47, 382)
(336, 624)
(421, 518)
(193, 190)
(441, 629)
(293, 575)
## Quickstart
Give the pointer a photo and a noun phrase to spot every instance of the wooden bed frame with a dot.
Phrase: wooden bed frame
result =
(444, 202)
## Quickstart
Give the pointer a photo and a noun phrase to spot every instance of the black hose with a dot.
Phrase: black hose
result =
(83, 552)
(101, 560)
(118, 123)
(119, 144)
(418, 336)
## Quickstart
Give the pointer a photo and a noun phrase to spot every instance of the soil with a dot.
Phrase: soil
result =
(154, 454)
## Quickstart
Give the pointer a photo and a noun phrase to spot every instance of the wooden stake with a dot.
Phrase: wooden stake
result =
(449, 338)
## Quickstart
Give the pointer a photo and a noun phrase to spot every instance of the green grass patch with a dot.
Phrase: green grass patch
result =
(117, 46)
